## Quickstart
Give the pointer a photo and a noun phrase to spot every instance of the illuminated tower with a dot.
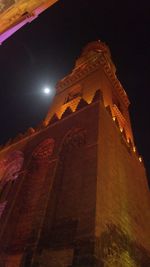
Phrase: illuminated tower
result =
(74, 191)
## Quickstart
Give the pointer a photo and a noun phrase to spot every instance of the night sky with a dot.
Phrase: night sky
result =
(44, 51)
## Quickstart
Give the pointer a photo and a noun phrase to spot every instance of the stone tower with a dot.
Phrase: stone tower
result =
(74, 191)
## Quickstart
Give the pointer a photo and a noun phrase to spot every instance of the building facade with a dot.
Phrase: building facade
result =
(74, 191)
(14, 14)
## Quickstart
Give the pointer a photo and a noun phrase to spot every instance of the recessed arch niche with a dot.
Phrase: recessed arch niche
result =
(10, 168)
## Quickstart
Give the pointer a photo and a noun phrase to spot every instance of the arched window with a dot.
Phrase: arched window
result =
(64, 196)
(76, 91)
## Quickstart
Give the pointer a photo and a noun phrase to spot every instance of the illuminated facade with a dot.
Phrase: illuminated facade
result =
(74, 191)
(14, 14)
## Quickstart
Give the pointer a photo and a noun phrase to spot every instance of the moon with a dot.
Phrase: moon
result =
(46, 90)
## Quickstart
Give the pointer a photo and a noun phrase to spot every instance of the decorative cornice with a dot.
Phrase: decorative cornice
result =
(91, 66)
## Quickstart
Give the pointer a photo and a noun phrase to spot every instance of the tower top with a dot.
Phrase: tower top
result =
(96, 46)
(94, 69)
(95, 49)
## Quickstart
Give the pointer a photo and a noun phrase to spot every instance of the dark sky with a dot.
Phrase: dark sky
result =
(44, 51)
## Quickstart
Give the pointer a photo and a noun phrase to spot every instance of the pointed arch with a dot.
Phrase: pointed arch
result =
(68, 179)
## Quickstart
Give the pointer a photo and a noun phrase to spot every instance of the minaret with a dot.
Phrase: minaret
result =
(78, 194)
(95, 63)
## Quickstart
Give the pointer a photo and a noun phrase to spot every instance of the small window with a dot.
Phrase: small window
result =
(74, 92)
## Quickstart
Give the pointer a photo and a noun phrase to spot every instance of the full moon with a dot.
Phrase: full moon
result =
(46, 90)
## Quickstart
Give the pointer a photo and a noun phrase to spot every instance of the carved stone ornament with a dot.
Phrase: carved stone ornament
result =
(11, 166)
(75, 138)
(44, 150)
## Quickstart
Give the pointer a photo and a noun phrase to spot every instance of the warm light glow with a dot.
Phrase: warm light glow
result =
(121, 129)
(72, 104)
(140, 159)
(134, 149)
(114, 118)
